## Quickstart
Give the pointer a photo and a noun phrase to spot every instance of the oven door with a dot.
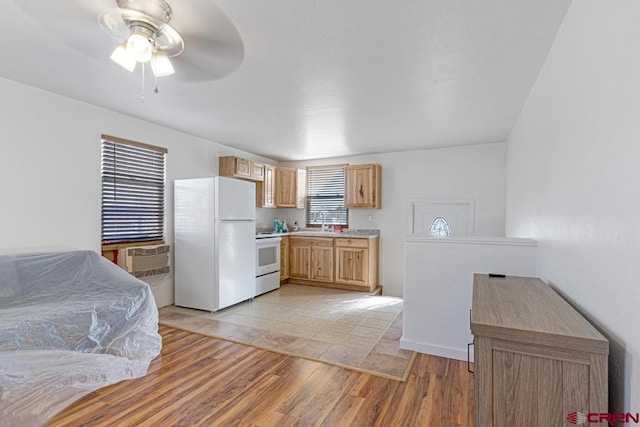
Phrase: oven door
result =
(267, 255)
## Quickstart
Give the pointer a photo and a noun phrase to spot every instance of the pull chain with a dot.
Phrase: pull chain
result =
(142, 96)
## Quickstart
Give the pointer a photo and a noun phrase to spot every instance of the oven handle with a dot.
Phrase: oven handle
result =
(267, 241)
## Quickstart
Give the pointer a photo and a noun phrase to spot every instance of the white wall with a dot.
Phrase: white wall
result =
(472, 172)
(438, 287)
(573, 175)
(50, 169)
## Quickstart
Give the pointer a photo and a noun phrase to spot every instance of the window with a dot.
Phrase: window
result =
(325, 196)
(440, 227)
(133, 181)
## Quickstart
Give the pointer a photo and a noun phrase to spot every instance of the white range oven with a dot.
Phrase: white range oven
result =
(267, 263)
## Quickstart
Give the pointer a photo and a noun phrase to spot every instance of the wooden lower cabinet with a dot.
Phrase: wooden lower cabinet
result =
(357, 262)
(311, 258)
(352, 266)
(299, 258)
(284, 258)
(536, 359)
(322, 263)
(347, 263)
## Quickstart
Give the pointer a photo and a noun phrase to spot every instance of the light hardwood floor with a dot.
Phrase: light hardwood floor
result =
(200, 380)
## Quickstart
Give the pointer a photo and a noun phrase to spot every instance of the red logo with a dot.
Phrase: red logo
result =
(612, 419)
(577, 418)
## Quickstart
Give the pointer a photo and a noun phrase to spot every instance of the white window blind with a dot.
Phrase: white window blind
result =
(133, 188)
(325, 196)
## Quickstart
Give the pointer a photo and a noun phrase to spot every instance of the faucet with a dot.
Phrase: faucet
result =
(323, 227)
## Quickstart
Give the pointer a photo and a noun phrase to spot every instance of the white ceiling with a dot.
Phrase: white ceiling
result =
(320, 78)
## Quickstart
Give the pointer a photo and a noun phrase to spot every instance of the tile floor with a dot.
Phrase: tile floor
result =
(350, 329)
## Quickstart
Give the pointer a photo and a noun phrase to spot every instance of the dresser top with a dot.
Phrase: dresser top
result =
(528, 310)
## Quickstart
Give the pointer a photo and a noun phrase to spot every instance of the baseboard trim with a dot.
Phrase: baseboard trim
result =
(435, 349)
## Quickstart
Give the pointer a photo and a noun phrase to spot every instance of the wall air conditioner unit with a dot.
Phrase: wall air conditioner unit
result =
(145, 261)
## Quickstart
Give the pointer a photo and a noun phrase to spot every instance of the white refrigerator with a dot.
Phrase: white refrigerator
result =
(214, 242)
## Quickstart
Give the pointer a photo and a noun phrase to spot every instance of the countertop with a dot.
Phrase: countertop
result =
(360, 234)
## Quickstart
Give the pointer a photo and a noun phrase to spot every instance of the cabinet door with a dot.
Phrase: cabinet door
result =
(322, 263)
(265, 190)
(269, 186)
(533, 389)
(301, 188)
(299, 259)
(286, 182)
(243, 167)
(284, 258)
(352, 266)
(257, 171)
(362, 186)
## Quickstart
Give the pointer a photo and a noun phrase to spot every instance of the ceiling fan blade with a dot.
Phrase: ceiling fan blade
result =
(213, 47)
(72, 22)
(205, 59)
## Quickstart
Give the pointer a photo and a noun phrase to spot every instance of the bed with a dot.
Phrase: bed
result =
(70, 323)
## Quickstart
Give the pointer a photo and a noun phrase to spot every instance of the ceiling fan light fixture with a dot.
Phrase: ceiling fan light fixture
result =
(143, 31)
(123, 58)
(140, 44)
(161, 65)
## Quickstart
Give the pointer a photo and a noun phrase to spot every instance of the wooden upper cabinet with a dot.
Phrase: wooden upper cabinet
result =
(290, 187)
(237, 167)
(363, 186)
(286, 187)
(301, 191)
(257, 171)
(266, 189)
(242, 167)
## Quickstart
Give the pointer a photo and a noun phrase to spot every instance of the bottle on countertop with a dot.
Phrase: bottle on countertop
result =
(284, 226)
(276, 225)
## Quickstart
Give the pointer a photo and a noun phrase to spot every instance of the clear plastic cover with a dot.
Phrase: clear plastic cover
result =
(70, 323)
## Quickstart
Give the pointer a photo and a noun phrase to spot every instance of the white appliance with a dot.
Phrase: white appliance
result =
(267, 263)
(215, 247)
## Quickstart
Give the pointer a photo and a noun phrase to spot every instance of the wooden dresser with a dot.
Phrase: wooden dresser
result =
(537, 359)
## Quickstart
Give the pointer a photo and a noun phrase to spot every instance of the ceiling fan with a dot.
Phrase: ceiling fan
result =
(198, 37)
(142, 27)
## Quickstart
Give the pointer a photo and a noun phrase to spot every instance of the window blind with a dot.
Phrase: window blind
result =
(325, 196)
(133, 188)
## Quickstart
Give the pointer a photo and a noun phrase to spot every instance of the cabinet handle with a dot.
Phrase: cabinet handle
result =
(361, 191)
(469, 358)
